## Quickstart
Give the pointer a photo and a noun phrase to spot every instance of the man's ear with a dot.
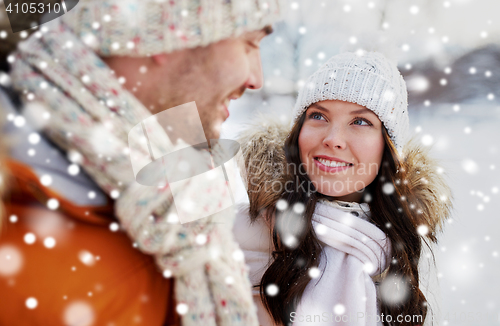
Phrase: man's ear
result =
(160, 59)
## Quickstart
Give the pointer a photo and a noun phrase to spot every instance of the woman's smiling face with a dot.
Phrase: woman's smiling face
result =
(341, 146)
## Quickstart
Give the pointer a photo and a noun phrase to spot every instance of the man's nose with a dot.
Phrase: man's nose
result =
(335, 138)
(255, 79)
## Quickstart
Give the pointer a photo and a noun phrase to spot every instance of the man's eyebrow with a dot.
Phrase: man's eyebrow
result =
(268, 29)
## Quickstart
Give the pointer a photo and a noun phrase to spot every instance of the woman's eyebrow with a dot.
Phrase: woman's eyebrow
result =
(360, 111)
(319, 107)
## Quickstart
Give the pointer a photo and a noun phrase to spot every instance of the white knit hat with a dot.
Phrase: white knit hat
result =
(147, 27)
(370, 80)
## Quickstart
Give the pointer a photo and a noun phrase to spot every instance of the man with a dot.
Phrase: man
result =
(88, 78)
(211, 76)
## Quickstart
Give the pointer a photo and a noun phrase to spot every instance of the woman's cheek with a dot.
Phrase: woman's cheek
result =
(303, 144)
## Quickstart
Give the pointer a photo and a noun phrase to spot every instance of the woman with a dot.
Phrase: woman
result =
(340, 203)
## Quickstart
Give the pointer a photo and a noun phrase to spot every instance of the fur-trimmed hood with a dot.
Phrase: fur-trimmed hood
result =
(263, 161)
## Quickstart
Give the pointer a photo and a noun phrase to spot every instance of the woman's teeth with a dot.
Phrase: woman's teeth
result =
(332, 163)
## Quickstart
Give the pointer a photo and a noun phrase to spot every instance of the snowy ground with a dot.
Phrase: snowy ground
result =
(466, 141)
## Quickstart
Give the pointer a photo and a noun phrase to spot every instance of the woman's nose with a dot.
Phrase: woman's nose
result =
(335, 138)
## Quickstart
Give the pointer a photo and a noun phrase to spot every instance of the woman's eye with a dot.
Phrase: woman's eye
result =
(315, 116)
(362, 122)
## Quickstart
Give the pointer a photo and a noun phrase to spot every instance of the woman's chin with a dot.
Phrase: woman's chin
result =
(342, 196)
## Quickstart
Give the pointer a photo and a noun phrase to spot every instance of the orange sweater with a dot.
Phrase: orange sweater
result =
(91, 276)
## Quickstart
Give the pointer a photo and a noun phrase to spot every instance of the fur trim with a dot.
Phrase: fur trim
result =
(263, 161)
(427, 188)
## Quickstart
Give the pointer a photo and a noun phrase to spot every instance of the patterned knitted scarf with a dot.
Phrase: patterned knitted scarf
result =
(88, 111)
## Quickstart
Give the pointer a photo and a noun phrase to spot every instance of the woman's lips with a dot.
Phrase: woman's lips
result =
(330, 169)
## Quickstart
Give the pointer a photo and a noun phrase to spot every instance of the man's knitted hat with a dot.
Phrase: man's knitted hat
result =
(147, 27)
(370, 80)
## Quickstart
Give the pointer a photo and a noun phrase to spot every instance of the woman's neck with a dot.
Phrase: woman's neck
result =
(356, 197)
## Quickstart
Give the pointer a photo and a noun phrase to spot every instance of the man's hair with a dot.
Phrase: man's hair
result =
(268, 29)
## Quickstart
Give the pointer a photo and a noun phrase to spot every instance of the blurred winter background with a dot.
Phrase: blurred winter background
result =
(449, 55)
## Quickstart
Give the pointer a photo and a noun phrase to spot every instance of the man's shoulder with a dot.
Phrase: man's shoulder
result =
(28, 145)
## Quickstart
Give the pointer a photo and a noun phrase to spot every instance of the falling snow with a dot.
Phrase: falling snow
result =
(463, 136)
(314, 272)
(339, 309)
(31, 303)
(272, 290)
(182, 308)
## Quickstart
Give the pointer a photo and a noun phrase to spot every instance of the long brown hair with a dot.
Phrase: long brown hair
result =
(396, 214)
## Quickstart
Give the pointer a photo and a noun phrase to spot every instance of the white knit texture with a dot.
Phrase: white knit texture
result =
(371, 81)
(148, 27)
